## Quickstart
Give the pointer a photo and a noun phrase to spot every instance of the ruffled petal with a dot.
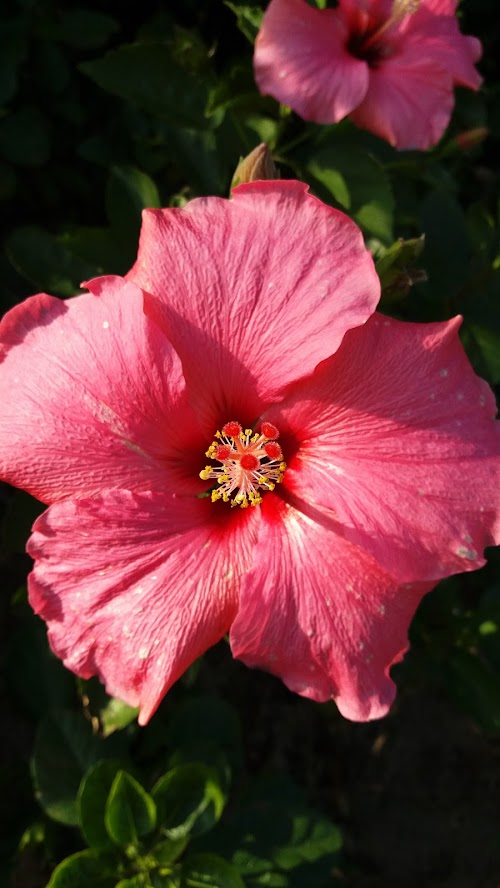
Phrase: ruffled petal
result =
(92, 396)
(395, 436)
(250, 300)
(135, 587)
(409, 101)
(438, 38)
(321, 614)
(301, 59)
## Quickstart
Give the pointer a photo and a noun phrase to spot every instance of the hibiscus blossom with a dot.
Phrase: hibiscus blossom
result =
(390, 65)
(231, 439)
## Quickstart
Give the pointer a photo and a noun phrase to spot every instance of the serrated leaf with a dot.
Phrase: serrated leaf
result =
(130, 811)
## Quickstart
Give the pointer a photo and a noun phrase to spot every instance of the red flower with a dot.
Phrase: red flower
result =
(362, 450)
(390, 65)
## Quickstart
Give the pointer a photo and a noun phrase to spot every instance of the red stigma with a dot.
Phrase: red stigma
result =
(273, 450)
(269, 430)
(232, 430)
(222, 452)
(249, 462)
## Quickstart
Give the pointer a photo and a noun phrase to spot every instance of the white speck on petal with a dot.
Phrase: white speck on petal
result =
(464, 552)
(105, 325)
(348, 588)
(143, 653)
(381, 609)
(460, 396)
(310, 633)
(443, 372)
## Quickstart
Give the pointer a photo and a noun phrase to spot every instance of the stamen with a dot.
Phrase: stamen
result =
(249, 461)
(400, 8)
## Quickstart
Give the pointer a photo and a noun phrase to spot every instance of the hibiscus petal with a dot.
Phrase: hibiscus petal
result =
(396, 438)
(250, 300)
(301, 59)
(438, 38)
(409, 100)
(92, 396)
(135, 587)
(322, 615)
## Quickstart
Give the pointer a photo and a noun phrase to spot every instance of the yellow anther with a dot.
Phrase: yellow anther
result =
(205, 473)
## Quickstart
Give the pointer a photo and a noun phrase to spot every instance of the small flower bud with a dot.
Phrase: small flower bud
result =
(258, 164)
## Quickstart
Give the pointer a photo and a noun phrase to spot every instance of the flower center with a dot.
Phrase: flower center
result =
(248, 462)
(369, 43)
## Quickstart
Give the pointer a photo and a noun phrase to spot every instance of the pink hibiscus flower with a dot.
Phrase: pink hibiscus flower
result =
(390, 65)
(361, 450)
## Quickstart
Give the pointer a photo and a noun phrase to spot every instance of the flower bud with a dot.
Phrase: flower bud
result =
(258, 164)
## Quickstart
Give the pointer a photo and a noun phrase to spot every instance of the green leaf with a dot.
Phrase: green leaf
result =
(113, 714)
(24, 138)
(397, 268)
(130, 812)
(210, 871)
(447, 246)
(12, 53)
(46, 262)
(166, 852)
(36, 677)
(311, 839)
(358, 184)
(207, 722)
(487, 341)
(93, 793)
(147, 75)
(249, 19)
(475, 687)
(273, 839)
(8, 181)
(189, 800)
(129, 191)
(140, 881)
(85, 28)
(87, 869)
(64, 750)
